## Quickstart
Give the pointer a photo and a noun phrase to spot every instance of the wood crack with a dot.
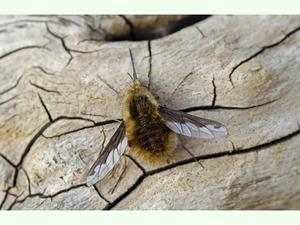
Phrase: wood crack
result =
(62, 42)
(261, 51)
(215, 93)
(8, 100)
(83, 128)
(41, 195)
(46, 109)
(20, 49)
(43, 70)
(150, 63)
(12, 87)
(27, 21)
(217, 107)
(5, 197)
(7, 160)
(136, 163)
(200, 31)
(44, 89)
(131, 27)
(100, 195)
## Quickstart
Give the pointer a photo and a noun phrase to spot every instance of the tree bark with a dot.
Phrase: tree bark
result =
(63, 81)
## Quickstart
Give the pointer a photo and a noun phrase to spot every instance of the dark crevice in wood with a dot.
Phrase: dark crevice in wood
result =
(73, 118)
(27, 21)
(83, 52)
(89, 40)
(29, 183)
(61, 191)
(136, 163)
(125, 194)
(44, 89)
(150, 63)
(5, 121)
(5, 197)
(62, 42)
(200, 31)
(233, 146)
(86, 127)
(14, 86)
(215, 93)
(103, 142)
(261, 51)
(101, 196)
(8, 100)
(14, 195)
(40, 204)
(131, 27)
(41, 195)
(29, 191)
(20, 49)
(217, 107)
(21, 201)
(7, 160)
(99, 31)
(67, 22)
(139, 34)
(43, 70)
(188, 21)
(47, 111)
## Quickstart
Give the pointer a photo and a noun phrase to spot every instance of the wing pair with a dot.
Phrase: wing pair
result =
(179, 122)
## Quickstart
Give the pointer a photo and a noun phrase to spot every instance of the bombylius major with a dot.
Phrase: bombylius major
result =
(149, 130)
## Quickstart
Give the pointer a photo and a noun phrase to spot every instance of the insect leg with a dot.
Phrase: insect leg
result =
(180, 141)
(104, 116)
(121, 176)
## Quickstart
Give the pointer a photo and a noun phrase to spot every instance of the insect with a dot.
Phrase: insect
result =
(149, 130)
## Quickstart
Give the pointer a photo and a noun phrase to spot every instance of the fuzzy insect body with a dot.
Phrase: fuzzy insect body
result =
(146, 129)
(150, 131)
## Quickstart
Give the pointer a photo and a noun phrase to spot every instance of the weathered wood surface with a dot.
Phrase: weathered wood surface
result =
(245, 75)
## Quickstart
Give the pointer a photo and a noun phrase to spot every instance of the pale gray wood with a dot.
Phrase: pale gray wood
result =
(55, 70)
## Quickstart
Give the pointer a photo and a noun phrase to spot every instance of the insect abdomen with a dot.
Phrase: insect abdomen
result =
(153, 140)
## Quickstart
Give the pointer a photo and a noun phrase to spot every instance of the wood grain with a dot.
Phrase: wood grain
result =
(55, 70)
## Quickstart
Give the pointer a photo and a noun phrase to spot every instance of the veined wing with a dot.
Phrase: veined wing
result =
(109, 157)
(192, 126)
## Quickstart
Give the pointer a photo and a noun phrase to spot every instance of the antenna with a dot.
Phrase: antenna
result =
(134, 73)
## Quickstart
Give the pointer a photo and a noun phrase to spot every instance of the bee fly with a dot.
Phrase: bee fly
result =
(149, 130)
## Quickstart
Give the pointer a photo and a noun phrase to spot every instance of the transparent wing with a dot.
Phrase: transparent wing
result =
(192, 126)
(109, 157)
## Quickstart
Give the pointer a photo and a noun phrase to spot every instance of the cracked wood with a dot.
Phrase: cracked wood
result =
(56, 114)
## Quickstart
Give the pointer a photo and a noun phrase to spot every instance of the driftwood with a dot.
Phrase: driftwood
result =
(58, 71)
